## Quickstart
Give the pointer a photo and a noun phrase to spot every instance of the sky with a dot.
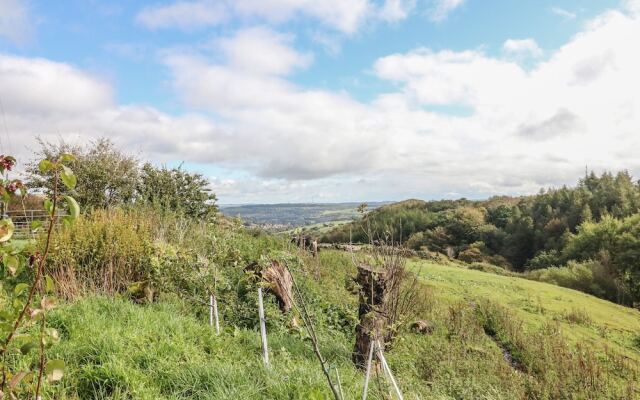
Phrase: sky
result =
(334, 100)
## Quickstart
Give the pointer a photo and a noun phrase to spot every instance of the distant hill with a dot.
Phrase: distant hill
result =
(288, 215)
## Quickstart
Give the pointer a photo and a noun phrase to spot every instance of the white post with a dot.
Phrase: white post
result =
(385, 366)
(210, 310)
(368, 373)
(215, 314)
(339, 383)
(215, 298)
(263, 329)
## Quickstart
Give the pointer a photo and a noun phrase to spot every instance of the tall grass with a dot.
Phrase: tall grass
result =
(102, 252)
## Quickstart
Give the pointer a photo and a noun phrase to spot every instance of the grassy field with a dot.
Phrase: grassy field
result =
(583, 317)
(316, 229)
(494, 337)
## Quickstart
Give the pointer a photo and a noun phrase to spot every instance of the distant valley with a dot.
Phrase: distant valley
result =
(290, 215)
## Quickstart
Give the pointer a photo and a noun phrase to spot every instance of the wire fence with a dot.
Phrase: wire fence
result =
(23, 220)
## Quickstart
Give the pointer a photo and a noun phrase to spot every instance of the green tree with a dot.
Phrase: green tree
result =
(177, 190)
(106, 176)
(611, 241)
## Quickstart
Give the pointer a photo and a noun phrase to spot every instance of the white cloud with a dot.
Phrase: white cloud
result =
(520, 47)
(563, 122)
(343, 15)
(55, 100)
(525, 128)
(187, 15)
(442, 8)
(632, 6)
(263, 51)
(396, 10)
(566, 14)
(30, 85)
(15, 21)
(448, 77)
(279, 129)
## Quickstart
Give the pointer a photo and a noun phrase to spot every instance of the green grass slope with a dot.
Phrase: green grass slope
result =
(494, 337)
(582, 317)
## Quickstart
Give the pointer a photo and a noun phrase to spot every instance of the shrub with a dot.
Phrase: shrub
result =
(176, 190)
(493, 269)
(590, 277)
(544, 259)
(472, 253)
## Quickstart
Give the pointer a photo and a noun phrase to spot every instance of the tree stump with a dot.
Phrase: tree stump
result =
(372, 322)
(280, 284)
(278, 279)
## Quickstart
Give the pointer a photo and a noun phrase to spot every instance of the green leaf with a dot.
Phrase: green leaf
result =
(68, 178)
(27, 347)
(54, 370)
(45, 166)
(20, 288)
(74, 208)
(17, 304)
(6, 197)
(53, 335)
(50, 286)
(48, 205)
(66, 158)
(11, 262)
(6, 230)
(35, 225)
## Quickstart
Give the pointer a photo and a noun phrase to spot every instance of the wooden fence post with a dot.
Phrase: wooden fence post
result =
(263, 329)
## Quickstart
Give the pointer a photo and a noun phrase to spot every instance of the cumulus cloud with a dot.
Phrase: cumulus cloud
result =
(15, 21)
(56, 100)
(30, 85)
(263, 51)
(526, 127)
(449, 77)
(522, 47)
(516, 138)
(521, 119)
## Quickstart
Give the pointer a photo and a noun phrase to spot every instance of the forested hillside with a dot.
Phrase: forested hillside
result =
(593, 228)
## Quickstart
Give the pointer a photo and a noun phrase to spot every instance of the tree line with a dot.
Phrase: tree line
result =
(597, 223)
(108, 177)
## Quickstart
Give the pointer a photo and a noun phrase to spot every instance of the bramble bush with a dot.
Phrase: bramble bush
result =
(27, 292)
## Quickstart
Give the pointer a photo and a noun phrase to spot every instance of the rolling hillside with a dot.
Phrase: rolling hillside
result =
(494, 337)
